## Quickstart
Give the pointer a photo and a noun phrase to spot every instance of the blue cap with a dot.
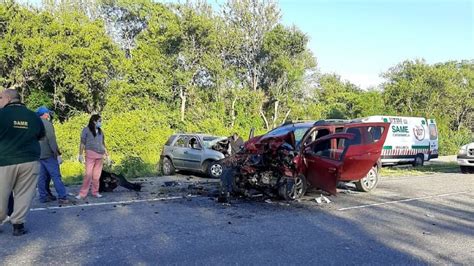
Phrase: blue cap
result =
(42, 110)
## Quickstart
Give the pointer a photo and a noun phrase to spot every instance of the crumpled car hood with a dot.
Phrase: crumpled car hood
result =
(260, 144)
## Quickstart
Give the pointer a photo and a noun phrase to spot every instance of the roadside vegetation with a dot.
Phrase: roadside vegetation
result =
(152, 69)
(408, 170)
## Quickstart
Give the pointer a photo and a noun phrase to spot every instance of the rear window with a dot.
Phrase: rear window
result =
(433, 132)
(170, 140)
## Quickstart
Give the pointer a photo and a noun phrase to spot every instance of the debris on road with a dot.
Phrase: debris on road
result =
(170, 184)
(321, 199)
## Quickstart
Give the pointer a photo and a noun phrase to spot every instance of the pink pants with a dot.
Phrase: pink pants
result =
(93, 171)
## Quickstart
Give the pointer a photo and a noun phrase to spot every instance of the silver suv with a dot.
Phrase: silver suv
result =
(194, 152)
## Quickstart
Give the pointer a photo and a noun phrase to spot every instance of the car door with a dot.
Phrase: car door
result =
(363, 151)
(193, 153)
(323, 161)
(178, 151)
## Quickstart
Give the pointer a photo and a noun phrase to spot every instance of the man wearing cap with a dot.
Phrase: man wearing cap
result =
(20, 132)
(50, 159)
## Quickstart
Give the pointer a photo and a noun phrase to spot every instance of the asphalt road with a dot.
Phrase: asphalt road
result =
(406, 220)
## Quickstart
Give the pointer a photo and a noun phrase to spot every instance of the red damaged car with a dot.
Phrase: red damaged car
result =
(295, 156)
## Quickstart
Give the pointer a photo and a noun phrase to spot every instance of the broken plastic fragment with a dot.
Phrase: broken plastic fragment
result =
(322, 199)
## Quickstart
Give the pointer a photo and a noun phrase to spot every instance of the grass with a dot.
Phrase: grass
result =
(408, 170)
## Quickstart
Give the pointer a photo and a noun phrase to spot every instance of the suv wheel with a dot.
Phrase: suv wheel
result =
(214, 169)
(369, 182)
(294, 189)
(167, 167)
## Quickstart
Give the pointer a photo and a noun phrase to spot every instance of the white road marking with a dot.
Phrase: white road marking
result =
(109, 203)
(404, 200)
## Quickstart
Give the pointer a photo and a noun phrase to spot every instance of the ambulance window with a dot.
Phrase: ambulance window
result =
(433, 132)
(375, 133)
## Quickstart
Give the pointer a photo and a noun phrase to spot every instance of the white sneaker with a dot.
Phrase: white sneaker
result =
(98, 195)
(7, 219)
(79, 197)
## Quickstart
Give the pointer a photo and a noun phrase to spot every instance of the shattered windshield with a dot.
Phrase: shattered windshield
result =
(298, 130)
(210, 141)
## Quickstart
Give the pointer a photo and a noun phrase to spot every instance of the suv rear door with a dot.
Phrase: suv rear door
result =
(363, 151)
(179, 147)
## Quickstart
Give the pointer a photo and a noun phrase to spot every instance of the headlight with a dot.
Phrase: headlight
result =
(463, 150)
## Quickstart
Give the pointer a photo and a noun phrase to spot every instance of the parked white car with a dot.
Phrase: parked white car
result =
(466, 158)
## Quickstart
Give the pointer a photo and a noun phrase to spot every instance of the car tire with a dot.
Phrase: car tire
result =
(214, 169)
(419, 160)
(295, 191)
(167, 167)
(466, 169)
(369, 182)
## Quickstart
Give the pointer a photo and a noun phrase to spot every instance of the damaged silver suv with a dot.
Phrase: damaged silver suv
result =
(194, 152)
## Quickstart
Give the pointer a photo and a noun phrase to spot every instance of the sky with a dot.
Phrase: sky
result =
(360, 39)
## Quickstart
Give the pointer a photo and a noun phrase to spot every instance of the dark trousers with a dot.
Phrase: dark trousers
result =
(10, 204)
(227, 179)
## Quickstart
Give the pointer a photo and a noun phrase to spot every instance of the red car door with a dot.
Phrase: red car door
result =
(363, 151)
(323, 161)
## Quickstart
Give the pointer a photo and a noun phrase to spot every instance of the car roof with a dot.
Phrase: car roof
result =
(321, 122)
(200, 135)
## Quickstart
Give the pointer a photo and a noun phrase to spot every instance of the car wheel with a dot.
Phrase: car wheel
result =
(466, 169)
(294, 189)
(419, 160)
(369, 182)
(214, 169)
(167, 167)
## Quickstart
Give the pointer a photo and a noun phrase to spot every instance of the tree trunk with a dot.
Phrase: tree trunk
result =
(232, 112)
(275, 114)
(264, 120)
(254, 79)
(286, 116)
(182, 95)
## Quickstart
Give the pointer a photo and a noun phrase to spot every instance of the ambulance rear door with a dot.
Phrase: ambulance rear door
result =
(433, 135)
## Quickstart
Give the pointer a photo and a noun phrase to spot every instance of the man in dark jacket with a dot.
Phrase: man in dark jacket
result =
(20, 132)
(50, 159)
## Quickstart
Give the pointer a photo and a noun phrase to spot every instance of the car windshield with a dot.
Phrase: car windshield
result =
(210, 141)
(299, 131)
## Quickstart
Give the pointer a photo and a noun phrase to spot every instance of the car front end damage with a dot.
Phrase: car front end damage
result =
(266, 165)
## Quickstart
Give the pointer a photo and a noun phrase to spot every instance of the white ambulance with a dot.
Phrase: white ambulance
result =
(409, 140)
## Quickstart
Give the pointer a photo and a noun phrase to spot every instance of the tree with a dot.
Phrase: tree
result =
(247, 22)
(287, 59)
(443, 90)
(341, 100)
(66, 57)
(125, 19)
